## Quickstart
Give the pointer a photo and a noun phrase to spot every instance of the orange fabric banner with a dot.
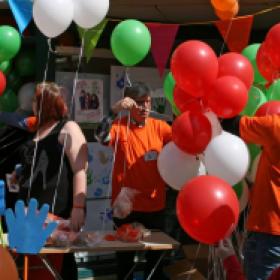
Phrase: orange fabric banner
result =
(163, 36)
(236, 32)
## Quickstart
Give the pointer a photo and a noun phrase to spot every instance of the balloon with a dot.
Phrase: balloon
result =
(273, 93)
(228, 97)
(243, 200)
(186, 102)
(251, 52)
(10, 42)
(53, 17)
(255, 100)
(5, 66)
(13, 81)
(207, 209)
(223, 5)
(130, 42)
(264, 63)
(168, 87)
(271, 107)
(25, 96)
(175, 110)
(227, 157)
(3, 83)
(25, 64)
(176, 167)
(272, 42)
(191, 132)
(8, 269)
(238, 189)
(88, 14)
(8, 101)
(235, 64)
(228, 14)
(215, 123)
(194, 66)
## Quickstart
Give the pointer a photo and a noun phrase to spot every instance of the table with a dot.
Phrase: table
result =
(156, 241)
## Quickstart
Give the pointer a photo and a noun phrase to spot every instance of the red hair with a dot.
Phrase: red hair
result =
(50, 103)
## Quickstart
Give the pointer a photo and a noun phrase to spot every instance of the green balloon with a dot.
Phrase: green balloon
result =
(10, 42)
(168, 88)
(8, 101)
(14, 81)
(273, 93)
(176, 111)
(25, 64)
(5, 66)
(251, 52)
(255, 99)
(130, 42)
(238, 189)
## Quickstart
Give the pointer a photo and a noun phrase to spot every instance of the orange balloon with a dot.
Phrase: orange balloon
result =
(223, 5)
(8, 269)
(227, 15)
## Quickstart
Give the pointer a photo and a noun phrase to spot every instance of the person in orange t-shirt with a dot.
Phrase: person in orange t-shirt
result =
(262, 246)
(138, 192)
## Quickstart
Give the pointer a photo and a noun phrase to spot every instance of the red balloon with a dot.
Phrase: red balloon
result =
(272, 43)
(265, 65)
(194, 66)
(237, 65)
(3, 83)
(207, 209)
(191, 132)
(186, 102)
(268, 108)
(228, 97)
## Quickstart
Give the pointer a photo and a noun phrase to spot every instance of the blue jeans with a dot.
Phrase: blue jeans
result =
(261, 255)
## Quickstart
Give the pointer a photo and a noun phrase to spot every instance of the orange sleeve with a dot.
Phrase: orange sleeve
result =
(165, 132)
(113, 132)
(257, 130)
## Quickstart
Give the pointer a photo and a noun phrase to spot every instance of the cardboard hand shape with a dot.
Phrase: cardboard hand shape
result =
(26, 230)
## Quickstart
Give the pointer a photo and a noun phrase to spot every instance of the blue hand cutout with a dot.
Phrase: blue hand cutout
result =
(2, 198)
(26, 230)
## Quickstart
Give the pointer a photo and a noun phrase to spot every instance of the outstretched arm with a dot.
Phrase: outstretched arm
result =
(77, 153)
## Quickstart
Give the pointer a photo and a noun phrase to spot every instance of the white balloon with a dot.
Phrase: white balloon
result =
(176, 167)
(53, 17)
(227, 157)
(89, 13)
(215, 123)
(25, 96)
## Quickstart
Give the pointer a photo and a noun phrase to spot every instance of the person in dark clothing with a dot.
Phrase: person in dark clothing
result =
(54, 164)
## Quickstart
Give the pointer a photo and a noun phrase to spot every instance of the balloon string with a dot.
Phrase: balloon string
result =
(39, 120)
(1, 233)
(71, 109)
(226, 37)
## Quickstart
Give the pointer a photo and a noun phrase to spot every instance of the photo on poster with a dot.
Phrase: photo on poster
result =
(89, 101)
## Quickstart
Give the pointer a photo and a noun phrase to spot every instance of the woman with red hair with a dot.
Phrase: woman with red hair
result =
(54, 163)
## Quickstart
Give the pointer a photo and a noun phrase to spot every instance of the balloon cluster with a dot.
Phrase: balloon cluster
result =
(225, 9)
(54, 17)
(202, 87)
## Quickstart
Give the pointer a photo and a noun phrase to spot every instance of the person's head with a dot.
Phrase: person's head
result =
(141, 94)
(48, 103)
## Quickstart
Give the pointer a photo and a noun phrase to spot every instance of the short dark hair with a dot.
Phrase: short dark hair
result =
(137, 90)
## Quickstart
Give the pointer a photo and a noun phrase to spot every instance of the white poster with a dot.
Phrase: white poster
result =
(99, 171)
(151, 77)
(66, 79)
(89, 101)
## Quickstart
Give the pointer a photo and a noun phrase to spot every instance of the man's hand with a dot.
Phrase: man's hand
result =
(27, 232)
(225, 249)
(126, 103)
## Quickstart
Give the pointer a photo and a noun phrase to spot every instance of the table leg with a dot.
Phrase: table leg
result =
(25, 269)
(156, 265)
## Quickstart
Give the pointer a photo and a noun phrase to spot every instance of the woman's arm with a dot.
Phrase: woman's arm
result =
(77, 153)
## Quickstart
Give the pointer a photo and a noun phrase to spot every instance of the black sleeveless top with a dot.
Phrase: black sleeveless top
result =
(47, 185)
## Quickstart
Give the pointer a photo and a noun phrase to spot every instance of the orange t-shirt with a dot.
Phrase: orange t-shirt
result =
(136, 161)
(264, 215)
